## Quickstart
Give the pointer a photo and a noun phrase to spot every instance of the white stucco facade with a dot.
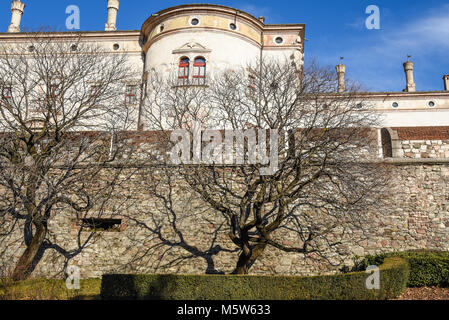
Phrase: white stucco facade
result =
(221, 51)
(227, 38)
(411, 109)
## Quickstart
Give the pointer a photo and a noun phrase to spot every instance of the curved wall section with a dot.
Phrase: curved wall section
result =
(224, 36)
(221, 50)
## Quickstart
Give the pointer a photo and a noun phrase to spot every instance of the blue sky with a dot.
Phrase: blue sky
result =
(333, 29)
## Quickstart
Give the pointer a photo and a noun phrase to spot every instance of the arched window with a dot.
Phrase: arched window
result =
(387, 147)
(183, 74)
(199, 71)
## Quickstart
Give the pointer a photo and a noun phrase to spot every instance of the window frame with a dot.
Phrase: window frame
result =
(252, 86)
(93, 92)
(193, 19)
(130, 95)
(55, 90)
(48, 97)
(198, 77)
(184, 65)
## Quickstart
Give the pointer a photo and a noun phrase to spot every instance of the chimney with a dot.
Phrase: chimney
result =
(17, 8)
(113, 6)
(446, 82)
(262, 19)
(408, 68)
(341, 71)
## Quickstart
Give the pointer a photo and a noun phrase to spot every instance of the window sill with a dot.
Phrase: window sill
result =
(191, 86)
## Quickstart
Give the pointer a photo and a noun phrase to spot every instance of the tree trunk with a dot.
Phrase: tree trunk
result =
(248, 257)
(242, 265)
(25, 266)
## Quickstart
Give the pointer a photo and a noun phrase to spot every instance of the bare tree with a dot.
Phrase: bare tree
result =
(62, 111)
(326, 177)
(177, 227)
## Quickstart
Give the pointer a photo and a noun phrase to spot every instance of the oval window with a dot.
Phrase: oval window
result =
(279, 40)
(395, 104)
(233, 26)
(431, 104)
(195, 22)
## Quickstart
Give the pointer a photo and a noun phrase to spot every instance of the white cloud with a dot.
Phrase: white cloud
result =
(379, 56)
(422, 35)
(358, 24)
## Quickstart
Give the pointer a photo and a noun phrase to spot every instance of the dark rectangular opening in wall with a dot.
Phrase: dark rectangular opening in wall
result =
(98, 224)
(387, 146)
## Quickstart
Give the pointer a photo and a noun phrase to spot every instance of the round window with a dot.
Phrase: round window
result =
(116, 46)
(31, 48)
(395, 104)
(74, 47)
(233, 26)
(431, 104)
(279, 40)
(195, 22)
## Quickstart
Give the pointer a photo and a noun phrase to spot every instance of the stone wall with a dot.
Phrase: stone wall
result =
(421, 142)
(417, 149)
(418, 219)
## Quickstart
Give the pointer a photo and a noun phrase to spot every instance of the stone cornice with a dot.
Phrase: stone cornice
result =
(421, 161)
(404, 95)
(145, 164)
(215, 10)
(158, 17)
(88, 35)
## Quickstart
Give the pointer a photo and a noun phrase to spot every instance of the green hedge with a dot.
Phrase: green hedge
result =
(393, 273)
(48, 289)
(427, 268)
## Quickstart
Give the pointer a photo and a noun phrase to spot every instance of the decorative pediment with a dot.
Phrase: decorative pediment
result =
(193, 47)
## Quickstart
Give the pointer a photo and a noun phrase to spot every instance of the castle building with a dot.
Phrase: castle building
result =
(196, 40)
